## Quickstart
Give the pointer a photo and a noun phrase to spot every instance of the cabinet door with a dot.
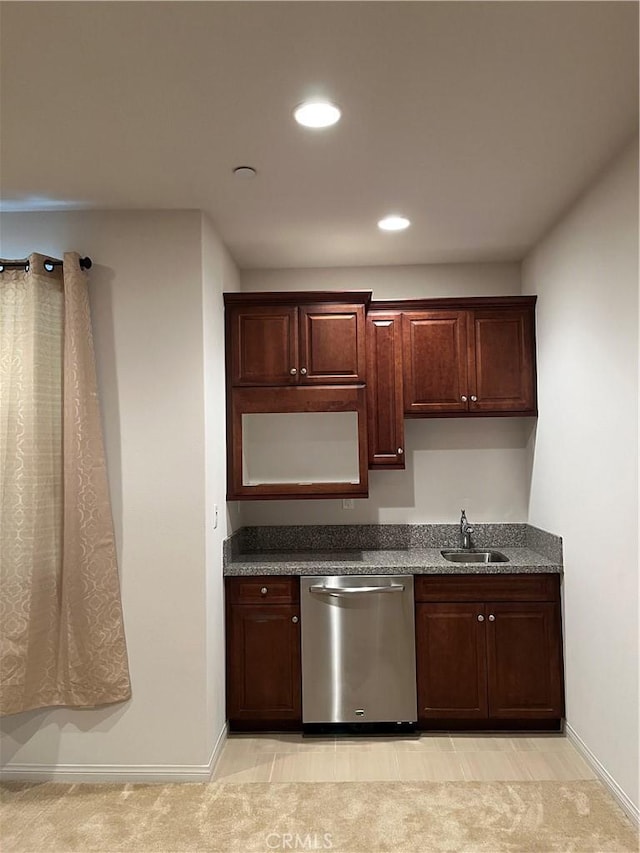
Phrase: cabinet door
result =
(434, 347)
(385, 413)
(262, 345)
(451, 661)
(263, 662)
(502, 365)
(524, 657)
(332, 344)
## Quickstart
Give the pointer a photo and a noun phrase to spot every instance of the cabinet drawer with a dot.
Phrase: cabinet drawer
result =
(515, 587)
(264, 589)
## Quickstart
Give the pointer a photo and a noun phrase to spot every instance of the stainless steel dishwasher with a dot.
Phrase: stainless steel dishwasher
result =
(358, 653)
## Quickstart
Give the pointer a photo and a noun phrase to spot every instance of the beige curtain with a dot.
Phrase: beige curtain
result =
(61, 629)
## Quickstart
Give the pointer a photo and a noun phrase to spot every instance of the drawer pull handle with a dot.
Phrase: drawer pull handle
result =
(264, 590)
(294, 619)
(492, 618)
(481, 618)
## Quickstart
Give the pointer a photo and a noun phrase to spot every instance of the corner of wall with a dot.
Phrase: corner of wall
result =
(219, 274)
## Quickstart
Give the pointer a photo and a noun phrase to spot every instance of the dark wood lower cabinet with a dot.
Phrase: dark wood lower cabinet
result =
(488, 649)
(489, 661)
(451, 655)
(524, 660)
(263, 657)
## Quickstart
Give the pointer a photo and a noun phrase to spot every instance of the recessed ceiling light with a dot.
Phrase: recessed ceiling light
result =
(394, 223)
(317, 114)
(244, 172)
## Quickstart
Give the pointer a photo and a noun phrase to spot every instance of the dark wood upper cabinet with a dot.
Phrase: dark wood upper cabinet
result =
(332, 344)
(263, 345)
(502, 367)
(301, 338)
(299, 354)
(306, 351)
(466, 357)
(435, 362)
(385, 411)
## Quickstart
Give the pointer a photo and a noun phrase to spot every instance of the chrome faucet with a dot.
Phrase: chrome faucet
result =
(466, 530)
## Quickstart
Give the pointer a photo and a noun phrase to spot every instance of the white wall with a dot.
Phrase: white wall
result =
(147, 307)
(219, 274)
(403, 282)
(584, 483)
(481, 464)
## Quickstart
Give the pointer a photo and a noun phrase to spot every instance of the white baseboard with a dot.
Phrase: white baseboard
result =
(217, 749)
(603, 774)
(121, 773)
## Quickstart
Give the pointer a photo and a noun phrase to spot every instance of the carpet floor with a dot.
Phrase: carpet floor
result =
(345, 817)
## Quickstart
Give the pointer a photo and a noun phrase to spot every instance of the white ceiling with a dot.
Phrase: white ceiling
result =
(479, 121)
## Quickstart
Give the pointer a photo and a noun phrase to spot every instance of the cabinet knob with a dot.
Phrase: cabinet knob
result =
(492, 618)
(481, 618)
(400, 451)
(463, 398)
(474, 399)
(264, 590)
(293, 371)
(303, 371)
(294, 619)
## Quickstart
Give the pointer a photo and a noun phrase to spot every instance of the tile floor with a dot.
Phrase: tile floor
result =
(428, 758)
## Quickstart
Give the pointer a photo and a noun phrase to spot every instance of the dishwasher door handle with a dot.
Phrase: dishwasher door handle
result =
(355, 590)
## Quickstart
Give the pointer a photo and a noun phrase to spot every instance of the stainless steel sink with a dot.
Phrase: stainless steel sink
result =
(475, 556)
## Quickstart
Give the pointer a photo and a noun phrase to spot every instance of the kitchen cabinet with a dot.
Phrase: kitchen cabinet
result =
(303, 352)
(385, 411)
(524, 659)
(262, 344)
(264, 679)
(502, 362)
(451, 661)
(469, 357)
(295, 370)
(298, 338)
(489, 649)
(488, 652)
(436, 379)
(349, 480)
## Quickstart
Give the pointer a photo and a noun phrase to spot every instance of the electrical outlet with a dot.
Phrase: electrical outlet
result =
(347, 503)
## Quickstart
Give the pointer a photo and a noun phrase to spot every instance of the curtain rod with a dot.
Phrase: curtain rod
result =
(49, 264)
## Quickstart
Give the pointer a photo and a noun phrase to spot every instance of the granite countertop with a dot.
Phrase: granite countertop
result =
(386, 550)
(414, 561)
